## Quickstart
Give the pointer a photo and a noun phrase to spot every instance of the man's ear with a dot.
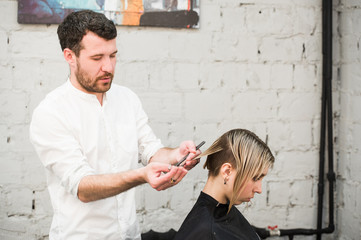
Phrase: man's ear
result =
(69, 56)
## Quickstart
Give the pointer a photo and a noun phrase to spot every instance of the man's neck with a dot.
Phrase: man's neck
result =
(76, 84)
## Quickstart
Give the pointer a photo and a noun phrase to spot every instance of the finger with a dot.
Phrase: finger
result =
(188, 147)
(191, 156)
(191, 164)
(174, 178)
(181, 176)
(164, 168)
(160, 179)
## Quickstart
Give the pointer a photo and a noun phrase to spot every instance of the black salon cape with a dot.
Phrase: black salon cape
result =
(209, 220)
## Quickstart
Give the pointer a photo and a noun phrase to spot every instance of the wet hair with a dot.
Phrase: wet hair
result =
(77, 24)
(245, 151)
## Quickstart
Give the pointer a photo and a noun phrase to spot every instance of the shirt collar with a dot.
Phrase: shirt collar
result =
(84, 95)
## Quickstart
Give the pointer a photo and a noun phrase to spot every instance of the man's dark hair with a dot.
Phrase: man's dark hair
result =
(77, 24)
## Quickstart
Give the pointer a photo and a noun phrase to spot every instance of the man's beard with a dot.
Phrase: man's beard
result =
(92, 85)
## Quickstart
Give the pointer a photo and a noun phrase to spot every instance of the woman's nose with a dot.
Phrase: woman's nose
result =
(258, 187)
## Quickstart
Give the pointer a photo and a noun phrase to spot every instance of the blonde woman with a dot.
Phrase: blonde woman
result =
(237, 163)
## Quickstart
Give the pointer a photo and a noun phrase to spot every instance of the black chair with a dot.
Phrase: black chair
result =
(152, 235)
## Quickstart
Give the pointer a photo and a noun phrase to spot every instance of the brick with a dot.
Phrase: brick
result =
(233, 20)
(308, 20)
(352, 73)
(253, 105)
(10, 168)
(132, 75)
(6, 75)
(8, 15)
(45, 44)
(279, 193)
(134, 45)
(210, 20)
(19, 202)
(167, 106)
(311, 48)
(186, 76)
(258, 77)
(22, 70)
(355, 105)
(350, 48)
(350, 19)
(263, 218)
(296, 165)
(13, 227)
(156, 220)
(34, 174)
(274, 19)
(307, 78)
(228, 75)
(281, 76)
(356, 135)
(301, 216)
(49, 74)
(177, 201)
(13, 107)
(190, 46)
(215, 104)
(230, 47)
(358, 196)
(302, 194)
(162, 78)
(4, 44)
(43, 207)
(17, 138)
(300, 106)
(281, 49)
(155, 200)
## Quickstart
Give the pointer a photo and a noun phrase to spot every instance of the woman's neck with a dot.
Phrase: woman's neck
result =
(214, 188)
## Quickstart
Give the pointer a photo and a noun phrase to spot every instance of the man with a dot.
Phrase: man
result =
(90, 135)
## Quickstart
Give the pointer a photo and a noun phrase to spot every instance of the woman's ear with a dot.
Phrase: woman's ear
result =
(226, 171)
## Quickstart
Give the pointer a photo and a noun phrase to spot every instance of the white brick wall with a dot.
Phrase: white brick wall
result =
(254, 64)
(349, 126)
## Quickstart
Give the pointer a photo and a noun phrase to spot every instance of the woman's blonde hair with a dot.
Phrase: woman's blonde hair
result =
(246, 152)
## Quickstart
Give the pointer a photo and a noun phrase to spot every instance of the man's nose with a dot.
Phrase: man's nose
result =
(108, 65)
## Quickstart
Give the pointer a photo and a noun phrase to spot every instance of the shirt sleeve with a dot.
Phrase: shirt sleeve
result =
(148, 143)
(58, 149)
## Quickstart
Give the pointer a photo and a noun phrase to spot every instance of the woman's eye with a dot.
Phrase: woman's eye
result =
(257, 178)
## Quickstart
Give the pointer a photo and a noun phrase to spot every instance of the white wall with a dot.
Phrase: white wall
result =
(253, 64)
(349, 130)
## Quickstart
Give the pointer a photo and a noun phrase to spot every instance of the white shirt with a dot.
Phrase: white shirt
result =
(75, 136)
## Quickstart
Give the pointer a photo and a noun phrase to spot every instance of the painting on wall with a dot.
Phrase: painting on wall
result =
(156, 13)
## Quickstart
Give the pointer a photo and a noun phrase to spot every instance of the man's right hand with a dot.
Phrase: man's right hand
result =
(161, 176)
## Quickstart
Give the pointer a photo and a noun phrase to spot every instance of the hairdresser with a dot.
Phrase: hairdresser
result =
(89, 135)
